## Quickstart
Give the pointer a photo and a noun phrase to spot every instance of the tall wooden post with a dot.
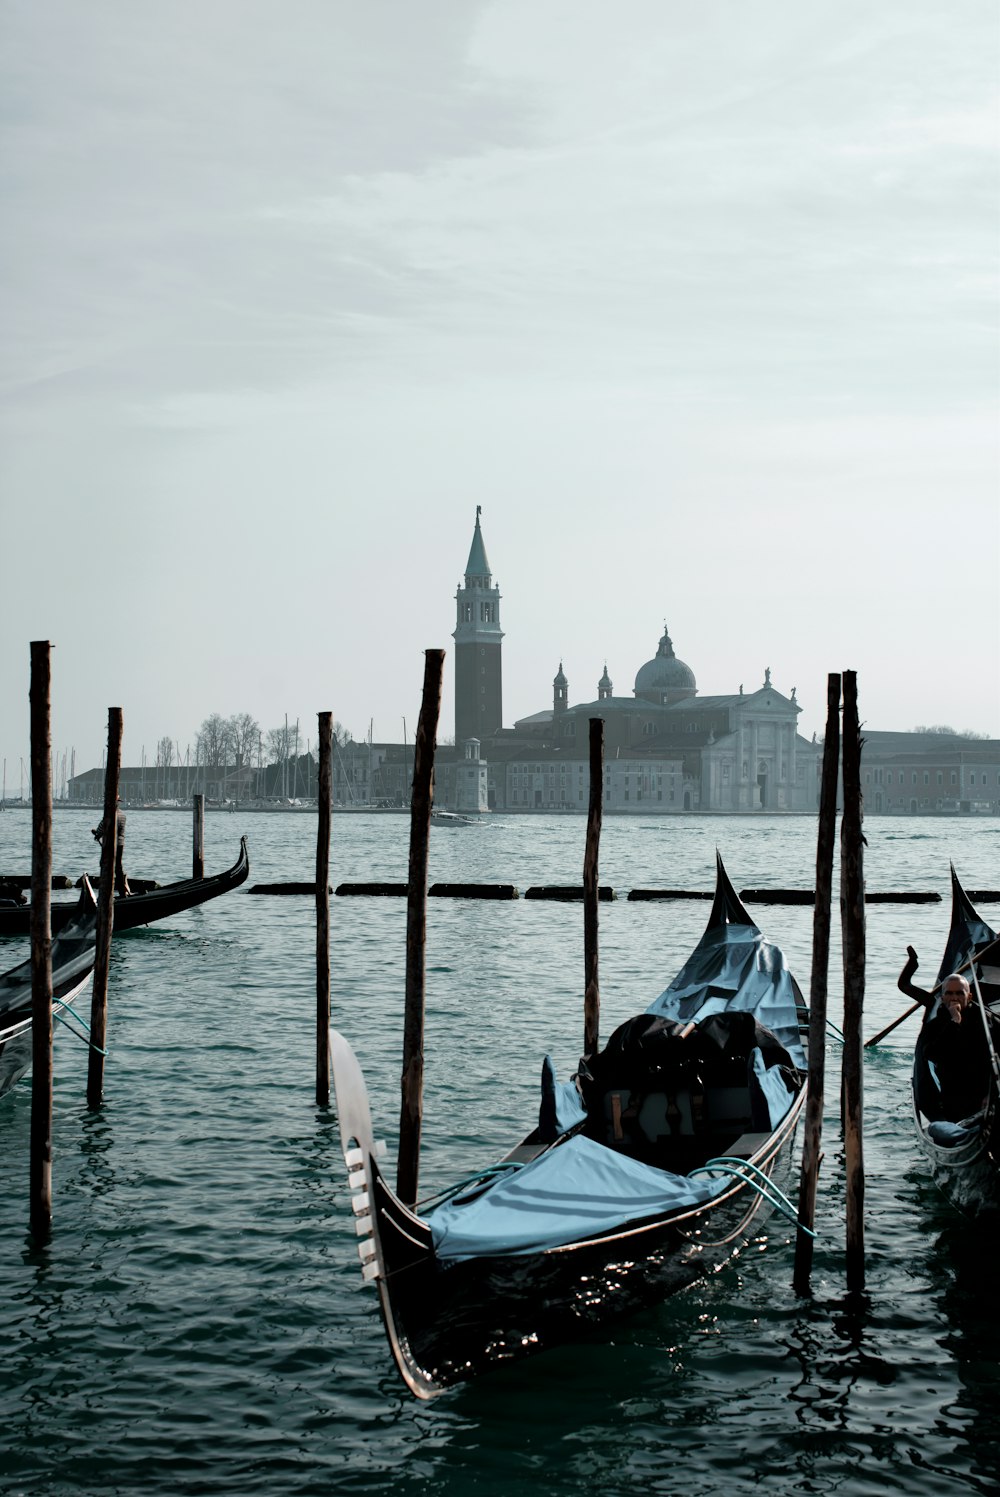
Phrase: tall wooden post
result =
(825, 840)
(105, 913)
(324, 807)
(198, 843)
(852, 912)
(412, 1085)
(40, 1167)
(592, 990)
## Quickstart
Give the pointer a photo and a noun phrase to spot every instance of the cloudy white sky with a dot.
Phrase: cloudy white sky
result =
(698, 300)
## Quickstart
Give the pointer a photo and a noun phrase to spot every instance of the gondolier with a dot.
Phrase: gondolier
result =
(956, 1077)
(121, 882)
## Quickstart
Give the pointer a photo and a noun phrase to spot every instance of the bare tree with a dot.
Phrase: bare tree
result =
(213, 741)
(277, 741)
(165, 753)
(243, 738)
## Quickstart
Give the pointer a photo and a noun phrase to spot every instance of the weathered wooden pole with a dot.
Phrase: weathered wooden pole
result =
(411, 1110)
(852, 913)
(592, 989)
(324, 807)
(40, 1167)
(825, 842)
(105, 913)
(198, 848)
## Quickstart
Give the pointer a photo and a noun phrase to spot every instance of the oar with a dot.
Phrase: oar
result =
(920, 1003)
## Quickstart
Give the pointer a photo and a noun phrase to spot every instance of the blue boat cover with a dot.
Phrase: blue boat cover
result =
(950, 1135)
(733, 968)
(574, 1191)
(562, 1106)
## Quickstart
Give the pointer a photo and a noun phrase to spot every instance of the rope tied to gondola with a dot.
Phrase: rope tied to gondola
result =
(733, 1165)
(80, 1020)
(484, 1177)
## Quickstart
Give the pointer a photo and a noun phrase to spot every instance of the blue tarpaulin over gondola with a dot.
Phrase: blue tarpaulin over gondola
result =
(575, 1191)
(733, 968)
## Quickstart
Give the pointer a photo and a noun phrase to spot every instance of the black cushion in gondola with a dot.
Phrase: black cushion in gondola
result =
(652, 1057)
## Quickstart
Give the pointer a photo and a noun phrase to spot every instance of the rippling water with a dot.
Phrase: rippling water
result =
(198, 1323)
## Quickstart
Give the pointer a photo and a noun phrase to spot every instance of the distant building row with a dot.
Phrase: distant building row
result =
(667, 750)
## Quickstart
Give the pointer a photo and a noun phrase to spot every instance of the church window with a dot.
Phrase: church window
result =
(940, 777)
(954, 779)
(927, 778)
(914, 777)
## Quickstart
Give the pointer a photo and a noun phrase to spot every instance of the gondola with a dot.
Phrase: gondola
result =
(648, 1170)
(960, 1135)
(73, 952)
(140, 909)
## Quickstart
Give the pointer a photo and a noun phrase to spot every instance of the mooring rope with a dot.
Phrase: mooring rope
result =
(731, 1164)
(485, 1176)
(80, 1020)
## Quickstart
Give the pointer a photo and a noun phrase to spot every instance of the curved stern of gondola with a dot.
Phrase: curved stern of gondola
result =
(394, 1244)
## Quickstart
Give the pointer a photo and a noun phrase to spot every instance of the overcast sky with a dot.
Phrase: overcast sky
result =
(698, 300)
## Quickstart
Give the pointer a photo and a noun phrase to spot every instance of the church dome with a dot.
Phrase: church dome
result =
(665, 678)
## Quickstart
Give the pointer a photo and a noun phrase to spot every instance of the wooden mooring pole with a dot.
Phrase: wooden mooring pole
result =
(324, 806)
(40, 1167)
(412, 1085)
(105, 914)
(825, 842)
(198, 842)
(591, 891)
(852, 914)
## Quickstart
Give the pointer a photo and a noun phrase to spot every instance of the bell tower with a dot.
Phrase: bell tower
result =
(477, 636)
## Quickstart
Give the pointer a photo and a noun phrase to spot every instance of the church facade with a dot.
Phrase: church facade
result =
(667, 749)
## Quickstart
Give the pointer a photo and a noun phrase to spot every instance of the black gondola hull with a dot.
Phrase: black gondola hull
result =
(140, 909)
(448, 1322)
(968, 1171)
(73, 955)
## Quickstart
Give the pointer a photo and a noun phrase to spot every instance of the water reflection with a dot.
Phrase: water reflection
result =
(96, 1142)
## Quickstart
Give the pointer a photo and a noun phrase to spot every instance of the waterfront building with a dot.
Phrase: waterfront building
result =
(668, 749)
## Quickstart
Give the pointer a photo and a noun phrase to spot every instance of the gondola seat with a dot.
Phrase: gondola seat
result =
(672, 1095)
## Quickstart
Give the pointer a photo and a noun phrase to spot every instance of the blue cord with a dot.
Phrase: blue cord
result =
(731, 1164)
(79, 1020)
